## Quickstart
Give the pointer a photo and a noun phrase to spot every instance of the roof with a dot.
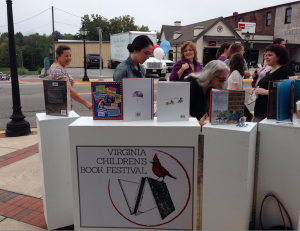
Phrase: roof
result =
(78, 41)
(187, 32)
(266, 8)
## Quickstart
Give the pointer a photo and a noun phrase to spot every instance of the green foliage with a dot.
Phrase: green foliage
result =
(112, 26)
(24, 71)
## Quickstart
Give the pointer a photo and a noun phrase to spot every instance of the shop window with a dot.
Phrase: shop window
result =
(268, 19)
(288, 15)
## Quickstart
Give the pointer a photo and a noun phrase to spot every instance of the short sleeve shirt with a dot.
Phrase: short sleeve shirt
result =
(235, 77)
(57, 72)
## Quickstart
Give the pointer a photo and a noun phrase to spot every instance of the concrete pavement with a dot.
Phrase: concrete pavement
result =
(21, 203)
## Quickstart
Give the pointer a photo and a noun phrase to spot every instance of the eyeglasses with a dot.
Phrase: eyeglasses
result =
(189, 50)
(221, 80)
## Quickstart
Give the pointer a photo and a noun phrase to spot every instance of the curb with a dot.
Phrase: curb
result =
(32, 129)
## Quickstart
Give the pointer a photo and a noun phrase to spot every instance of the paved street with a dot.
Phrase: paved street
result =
(32, 96)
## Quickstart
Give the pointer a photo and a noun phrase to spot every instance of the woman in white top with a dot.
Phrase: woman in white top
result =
(236, 65)
(235, 80)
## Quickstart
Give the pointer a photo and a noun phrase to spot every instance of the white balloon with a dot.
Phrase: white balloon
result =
(159, 53)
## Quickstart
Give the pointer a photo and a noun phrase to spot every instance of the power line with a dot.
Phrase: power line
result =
(68, 13)
(67, 24)
(28, 18)
(38, 27)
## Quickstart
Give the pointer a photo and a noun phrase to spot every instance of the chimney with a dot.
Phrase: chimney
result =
(177, 23)
(198, 30)
(235, 13)
(176, 34)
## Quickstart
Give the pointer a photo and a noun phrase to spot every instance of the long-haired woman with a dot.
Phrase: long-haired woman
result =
(139, 50)
(223, 52)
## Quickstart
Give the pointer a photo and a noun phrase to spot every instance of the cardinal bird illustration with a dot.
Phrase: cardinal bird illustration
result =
(159, 170)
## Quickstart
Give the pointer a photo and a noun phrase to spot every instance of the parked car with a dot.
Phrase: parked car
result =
(112, 64)
(93, 60)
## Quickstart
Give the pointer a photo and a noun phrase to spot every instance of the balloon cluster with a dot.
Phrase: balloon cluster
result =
(160, 51)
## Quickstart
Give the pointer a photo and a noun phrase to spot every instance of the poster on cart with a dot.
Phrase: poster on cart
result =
(136, 187)
(107, 100)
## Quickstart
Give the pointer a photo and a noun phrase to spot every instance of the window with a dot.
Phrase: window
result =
(268, 20)
(288, 15)
(240, 19)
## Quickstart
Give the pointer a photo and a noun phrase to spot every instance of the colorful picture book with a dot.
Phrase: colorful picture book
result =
(226, 106)
(173, 101)
(281, 100)
(107, 100)
(57, 97)
(138, 99)
(252, 98)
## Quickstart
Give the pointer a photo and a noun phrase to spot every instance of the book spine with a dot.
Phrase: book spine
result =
(210, 107)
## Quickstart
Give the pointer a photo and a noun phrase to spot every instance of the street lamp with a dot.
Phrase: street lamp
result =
(83, 32)
(17, 126)
(247, 37)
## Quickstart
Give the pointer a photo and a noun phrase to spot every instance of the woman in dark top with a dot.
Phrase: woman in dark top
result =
(213, 75)
(276, 57)
(187, 64)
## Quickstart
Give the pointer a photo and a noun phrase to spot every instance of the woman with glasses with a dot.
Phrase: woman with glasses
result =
(187, 64)
(213, 75)
(140, 50)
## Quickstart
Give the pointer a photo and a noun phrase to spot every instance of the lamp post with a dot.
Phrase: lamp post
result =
(83, 32)
(247, 37)
(17, 126)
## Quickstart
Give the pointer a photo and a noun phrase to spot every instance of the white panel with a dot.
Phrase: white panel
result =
(228, 176)
(54, 151)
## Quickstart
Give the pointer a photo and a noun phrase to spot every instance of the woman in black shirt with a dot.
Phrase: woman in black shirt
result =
(213, 75)
(276, 57)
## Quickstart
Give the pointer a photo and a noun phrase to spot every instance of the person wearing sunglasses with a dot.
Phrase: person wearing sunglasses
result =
(187, 64)
(213, 75)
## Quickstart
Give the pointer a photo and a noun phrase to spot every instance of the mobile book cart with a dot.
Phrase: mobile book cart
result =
(134, 175)
(278, 170)
(54, 151)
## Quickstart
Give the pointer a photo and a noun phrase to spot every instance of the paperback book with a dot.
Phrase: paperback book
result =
(107, 100)
(57, 97)
(253, 97)
(173, 101)
(226, 106)
(138, 99)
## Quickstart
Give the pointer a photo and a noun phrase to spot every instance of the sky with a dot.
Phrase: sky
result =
(154, 14)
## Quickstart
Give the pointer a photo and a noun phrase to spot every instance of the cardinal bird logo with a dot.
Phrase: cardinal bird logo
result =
(159, 170)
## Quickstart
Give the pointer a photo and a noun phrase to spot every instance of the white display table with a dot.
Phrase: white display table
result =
(115, 173)
(54, 151)
(279, 171)
(228, 176)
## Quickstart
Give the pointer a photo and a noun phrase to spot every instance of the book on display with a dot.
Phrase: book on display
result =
(57, 97)
(226, 106)
(107, 100)
(173, 101)
(138, 99)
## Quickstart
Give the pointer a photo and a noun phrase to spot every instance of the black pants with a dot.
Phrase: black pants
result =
(247, 114)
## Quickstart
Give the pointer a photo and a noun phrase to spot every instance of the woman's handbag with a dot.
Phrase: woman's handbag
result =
(278, 227)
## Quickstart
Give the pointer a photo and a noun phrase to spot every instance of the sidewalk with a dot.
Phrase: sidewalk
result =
(21, 203)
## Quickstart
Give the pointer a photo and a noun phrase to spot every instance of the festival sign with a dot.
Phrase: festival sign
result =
(136, 187)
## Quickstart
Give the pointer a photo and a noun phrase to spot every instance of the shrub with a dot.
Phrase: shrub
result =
(24, 71)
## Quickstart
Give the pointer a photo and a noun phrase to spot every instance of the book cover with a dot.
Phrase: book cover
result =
(253, 97)
(284, 107)
(226, 106)
(294, 77)
(297, 90)
(107, 100)
(173, 101)
(57, 97)
(138, 99)
(278, 100)
(272, 100)
(292, 106)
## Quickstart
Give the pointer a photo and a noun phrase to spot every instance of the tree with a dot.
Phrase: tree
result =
(68, 36)
(19, 39)
(57, 35)
(4, 53)
(3, 36)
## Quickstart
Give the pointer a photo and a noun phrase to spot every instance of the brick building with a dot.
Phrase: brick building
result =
(280, 21)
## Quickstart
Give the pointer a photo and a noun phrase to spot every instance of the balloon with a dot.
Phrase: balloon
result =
(165, 45)
(154, 47)
(159, 53)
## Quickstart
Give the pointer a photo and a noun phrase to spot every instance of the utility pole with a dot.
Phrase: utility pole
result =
(53, 47)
